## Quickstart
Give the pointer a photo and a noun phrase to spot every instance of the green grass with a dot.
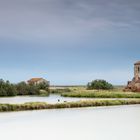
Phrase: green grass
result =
(101, 94)
(43, 93)
(59, 90)
(42, 105)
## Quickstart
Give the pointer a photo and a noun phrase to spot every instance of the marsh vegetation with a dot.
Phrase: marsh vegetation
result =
(115, 92)
(101, 94)
(77, 104)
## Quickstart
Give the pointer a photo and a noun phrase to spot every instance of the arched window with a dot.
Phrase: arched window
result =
(138, 69)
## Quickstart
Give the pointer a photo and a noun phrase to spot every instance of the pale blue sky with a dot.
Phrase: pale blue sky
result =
(69, 41)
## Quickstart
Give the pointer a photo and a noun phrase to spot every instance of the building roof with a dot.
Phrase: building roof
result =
(137, 63)
(35, 79)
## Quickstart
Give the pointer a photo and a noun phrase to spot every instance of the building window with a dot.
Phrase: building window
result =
(138, 69)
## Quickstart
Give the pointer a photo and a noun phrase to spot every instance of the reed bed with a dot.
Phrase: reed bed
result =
(101, 94)
(77, 104)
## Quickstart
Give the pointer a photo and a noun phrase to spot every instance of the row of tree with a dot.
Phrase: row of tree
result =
(22, 88)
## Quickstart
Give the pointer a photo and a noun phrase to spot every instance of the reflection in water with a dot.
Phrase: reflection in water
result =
(100, 123)
(53, 98)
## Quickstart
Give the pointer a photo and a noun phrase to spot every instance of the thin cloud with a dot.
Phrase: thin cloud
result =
(50, 19)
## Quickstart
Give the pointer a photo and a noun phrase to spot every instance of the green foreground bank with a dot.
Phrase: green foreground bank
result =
(78, 104)
(101, 94)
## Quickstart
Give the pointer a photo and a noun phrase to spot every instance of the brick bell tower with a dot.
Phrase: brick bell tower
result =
(137, 70)
(134, 85)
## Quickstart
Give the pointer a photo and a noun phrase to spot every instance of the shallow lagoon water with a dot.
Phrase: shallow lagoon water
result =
(53, 98)
(95, 123)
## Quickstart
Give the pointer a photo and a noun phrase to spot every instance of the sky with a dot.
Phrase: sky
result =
(69, 42)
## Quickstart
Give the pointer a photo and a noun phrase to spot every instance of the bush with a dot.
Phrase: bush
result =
(32, 89)
(43, 93)
(43, 86)
(11, 90)
(22, 88)
(99, 84)
(7, 89)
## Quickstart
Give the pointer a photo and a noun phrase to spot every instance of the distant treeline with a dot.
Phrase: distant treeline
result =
(22, 88)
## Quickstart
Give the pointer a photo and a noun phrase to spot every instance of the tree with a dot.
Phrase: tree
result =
(11, 90)
(33, 90)
(7, 89)
(43, 86)
(22, 88)
(99, 84)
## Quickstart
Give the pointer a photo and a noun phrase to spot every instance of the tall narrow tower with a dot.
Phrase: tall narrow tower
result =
(137, 70)
(134, 85)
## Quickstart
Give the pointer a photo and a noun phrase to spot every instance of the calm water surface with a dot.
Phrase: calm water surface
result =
(53, 98)
(100, 123)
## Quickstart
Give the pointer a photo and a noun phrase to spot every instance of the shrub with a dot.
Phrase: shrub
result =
(11, 90)
(33, 90)
(43, 86)
(99, 84)
(7, 89)
(43, 93)
(22, 88)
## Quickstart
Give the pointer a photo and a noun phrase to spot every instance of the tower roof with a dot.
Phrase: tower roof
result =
(137, 63)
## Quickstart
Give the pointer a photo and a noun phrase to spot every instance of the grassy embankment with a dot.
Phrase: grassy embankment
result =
(116, 93)
(59, 90)
(42, 105)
